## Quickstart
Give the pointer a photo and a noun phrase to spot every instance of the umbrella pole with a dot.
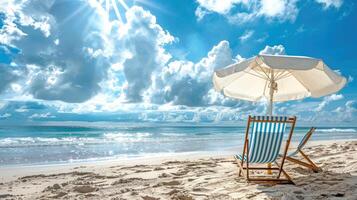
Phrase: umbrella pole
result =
(271, 94)
(270, 108)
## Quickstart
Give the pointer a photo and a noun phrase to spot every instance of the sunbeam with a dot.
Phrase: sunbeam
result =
(112, 5)
(152, 5)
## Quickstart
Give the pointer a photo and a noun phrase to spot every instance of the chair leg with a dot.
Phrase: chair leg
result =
(315, 168)
(286, 175)
(240, 167)
(239, 171)
(310, 166)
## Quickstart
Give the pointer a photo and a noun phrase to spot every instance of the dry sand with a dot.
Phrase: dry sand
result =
(184, 178)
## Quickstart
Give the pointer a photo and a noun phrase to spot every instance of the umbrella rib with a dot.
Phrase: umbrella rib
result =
(279, 74)
(286, 75)
(265, 86)
(262, 77)
(262, 69)
(283, 75)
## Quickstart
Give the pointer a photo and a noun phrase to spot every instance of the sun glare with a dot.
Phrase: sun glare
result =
(113, 5)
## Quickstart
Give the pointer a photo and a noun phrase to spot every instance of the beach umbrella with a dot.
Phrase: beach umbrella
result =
(277, 78)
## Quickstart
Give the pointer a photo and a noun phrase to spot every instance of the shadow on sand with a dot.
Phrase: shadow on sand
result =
(310, 185)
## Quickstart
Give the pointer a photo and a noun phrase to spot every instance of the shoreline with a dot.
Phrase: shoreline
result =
(154, 158)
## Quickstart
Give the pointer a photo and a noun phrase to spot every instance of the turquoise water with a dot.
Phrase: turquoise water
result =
(56, 144)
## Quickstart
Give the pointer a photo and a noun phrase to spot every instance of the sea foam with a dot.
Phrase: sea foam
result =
(332, 130)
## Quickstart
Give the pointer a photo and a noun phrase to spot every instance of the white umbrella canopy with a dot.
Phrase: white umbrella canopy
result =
(277, 78)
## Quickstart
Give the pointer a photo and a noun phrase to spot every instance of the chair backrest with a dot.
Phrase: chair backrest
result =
(266, 136)
(303, 141)
(306, 138)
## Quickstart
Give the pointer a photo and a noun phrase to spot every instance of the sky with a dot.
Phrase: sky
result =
(65, 61)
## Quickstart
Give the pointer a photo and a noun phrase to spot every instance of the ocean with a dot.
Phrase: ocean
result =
(28, 145)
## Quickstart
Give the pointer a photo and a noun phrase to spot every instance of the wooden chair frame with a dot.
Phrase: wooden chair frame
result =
(309, 164)
(245, 169)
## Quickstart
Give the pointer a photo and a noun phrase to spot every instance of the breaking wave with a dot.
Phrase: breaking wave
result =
(334, 130)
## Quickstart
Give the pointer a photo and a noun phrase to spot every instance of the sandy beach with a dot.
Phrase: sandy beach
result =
(184, 177)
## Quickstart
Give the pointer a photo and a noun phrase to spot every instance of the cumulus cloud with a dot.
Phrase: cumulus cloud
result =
(188, 83)
(61, 43)
(327, 100)
(344, 113)
(241, 11)
(330, 3)
(8, 75)
(143, 40)
(281, 9)
(273, 50)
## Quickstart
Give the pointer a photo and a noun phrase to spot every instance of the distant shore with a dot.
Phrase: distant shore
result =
(186, 176)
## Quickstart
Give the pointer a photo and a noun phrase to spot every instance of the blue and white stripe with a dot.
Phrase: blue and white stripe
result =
(301, 144)
(265, 139)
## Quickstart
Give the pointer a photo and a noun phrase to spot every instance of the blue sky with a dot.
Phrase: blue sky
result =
(146, 60)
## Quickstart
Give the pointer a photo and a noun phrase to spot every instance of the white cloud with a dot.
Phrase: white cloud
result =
(350, 79)
(187, 83)
(246, 35)
(327, 100)
(8, 75)
(76, 59)
(179, 82)
(144, 40)
(42, 115)
(262, 38)
(42, 23)
(220, 6)
(22, 109)
(272, 7)
(346, 112)
(330, 3)
(201, 13)
(241, 11)
(5, 115)
(273, 50)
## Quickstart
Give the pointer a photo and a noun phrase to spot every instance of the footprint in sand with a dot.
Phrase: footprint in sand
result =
(149, 198)
(84, 189)
(59, 195)
(128, 180)
(200, 189)
(171, 183)
(164, 175)
(158, 168)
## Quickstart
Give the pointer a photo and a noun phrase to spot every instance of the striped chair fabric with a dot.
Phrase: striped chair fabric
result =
(265, 139)
(301, 144)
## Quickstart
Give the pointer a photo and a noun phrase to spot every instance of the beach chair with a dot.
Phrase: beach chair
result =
(309, 163)
(262, 144)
